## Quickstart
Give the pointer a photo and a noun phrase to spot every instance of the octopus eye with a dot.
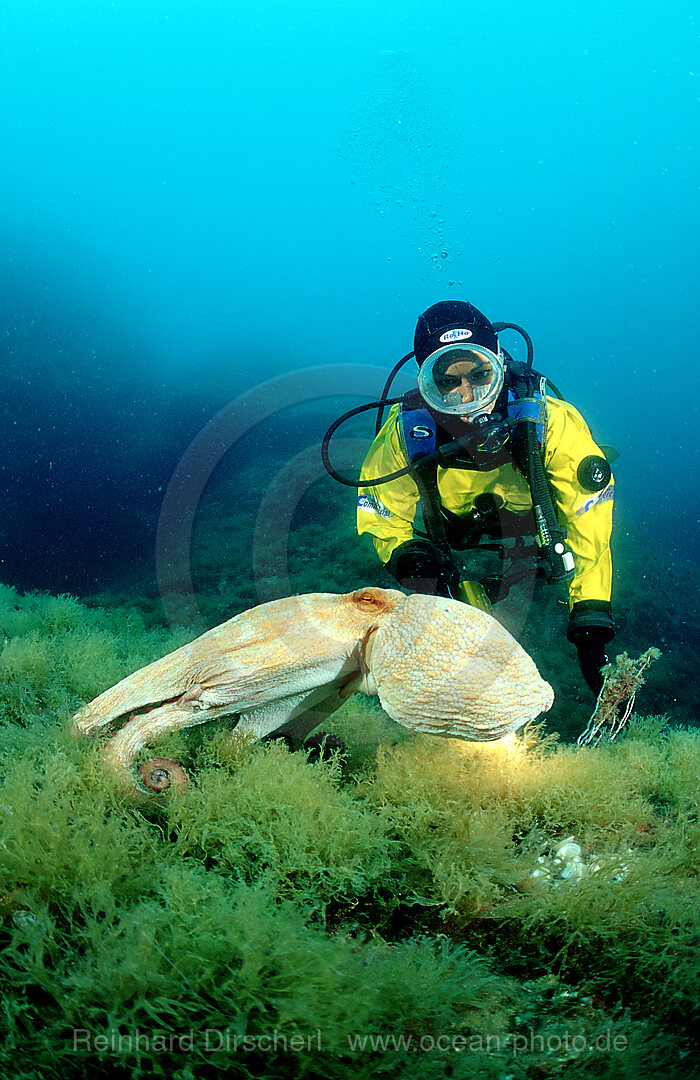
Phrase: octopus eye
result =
(365, 598)
(371, 601)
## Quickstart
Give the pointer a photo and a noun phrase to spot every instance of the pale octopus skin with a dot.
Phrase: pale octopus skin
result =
(437, 665)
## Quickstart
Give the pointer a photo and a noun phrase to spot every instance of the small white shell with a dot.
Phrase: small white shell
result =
(568, 851)
(572, 871)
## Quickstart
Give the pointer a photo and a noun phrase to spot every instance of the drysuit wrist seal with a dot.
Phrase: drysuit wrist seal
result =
(591, 620)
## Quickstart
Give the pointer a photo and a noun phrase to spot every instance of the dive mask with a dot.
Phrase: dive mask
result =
(461, 380)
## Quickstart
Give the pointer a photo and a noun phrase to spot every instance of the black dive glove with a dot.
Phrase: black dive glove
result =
(591, 627)
(418, 566)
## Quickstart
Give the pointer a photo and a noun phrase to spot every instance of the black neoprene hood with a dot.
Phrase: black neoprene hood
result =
(451, 315)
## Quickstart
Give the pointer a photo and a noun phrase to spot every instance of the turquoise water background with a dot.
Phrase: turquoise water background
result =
(197, 197)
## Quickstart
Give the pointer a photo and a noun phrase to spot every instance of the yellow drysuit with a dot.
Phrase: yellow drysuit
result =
(387, 511)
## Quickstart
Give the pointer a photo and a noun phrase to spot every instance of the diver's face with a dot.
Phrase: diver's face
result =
(465, 377)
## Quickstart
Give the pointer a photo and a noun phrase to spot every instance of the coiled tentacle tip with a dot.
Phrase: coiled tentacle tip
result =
(161, 774)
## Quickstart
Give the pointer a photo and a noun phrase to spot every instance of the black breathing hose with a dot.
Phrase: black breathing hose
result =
(387, 387)
(551, 538)
(334, 427)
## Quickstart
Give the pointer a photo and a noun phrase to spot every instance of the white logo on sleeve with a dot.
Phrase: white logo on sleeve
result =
(599, 497)
(370, 505)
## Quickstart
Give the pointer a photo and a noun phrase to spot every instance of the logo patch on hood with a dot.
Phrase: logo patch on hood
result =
(456, 335)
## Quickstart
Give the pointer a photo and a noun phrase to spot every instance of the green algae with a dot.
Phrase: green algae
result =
(389, 897)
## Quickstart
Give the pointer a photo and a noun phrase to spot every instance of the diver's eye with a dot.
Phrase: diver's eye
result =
(446, 383)
(482, 375)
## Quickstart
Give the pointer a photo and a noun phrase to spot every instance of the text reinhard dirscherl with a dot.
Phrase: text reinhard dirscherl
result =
(211, 1040)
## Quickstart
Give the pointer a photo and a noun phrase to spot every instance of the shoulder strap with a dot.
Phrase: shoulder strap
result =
(418, 437)
(417, 432)
(531, 409)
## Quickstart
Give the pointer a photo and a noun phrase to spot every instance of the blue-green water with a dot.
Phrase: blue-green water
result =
(199, 197)
(218, 224)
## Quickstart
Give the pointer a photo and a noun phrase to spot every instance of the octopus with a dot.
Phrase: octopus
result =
(279, 669)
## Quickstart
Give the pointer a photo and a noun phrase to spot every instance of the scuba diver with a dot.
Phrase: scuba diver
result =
(485, 454)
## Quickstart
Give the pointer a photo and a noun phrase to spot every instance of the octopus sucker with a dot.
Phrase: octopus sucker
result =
(438, 666)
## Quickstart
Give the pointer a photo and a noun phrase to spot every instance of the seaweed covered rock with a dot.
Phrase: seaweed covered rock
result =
(380, 911)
